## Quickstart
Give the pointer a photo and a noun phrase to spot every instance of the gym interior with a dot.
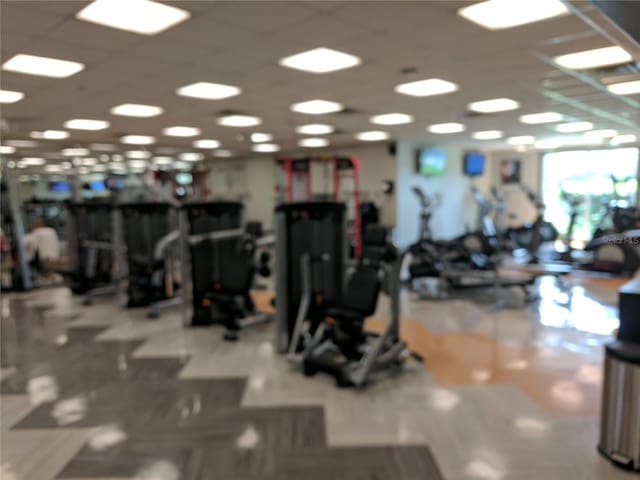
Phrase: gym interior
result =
(269, 240)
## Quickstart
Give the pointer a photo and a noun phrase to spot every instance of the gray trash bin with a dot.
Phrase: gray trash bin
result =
(620, 415)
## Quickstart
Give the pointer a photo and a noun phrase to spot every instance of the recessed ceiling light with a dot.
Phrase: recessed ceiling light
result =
(391, 119)
(313, 142)
(88, 162)
(33, 161)
(136, 110)
(450, 127)
(621, 139)
(137, 154)
(75, 152)
(425, 88)
(265, 147)
(177, 165)
(487, 135)
(599, 57)
(138, 139)
(137, 164)
(239, 121)
(162, 160)
(261, 137)
(625, 88)
(499, 14)
(43, 66)
(9, 96)
(315, 129)
(191, 156)
(543, 117)
(372, 136)
(5, 149)
(320, 60)
(573, 127)
(521, 140)
(180, 131)
(86, 124)
(548, 144)
(22, 143)
(317, 107)
(206, 143)
(222, 153)
(494, 105)
(50, 134)
(102, 147)
(604, 133)
(52, 168)
(138, 16)
(208, 91)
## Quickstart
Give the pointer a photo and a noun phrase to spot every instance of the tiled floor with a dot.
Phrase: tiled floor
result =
(100, 392)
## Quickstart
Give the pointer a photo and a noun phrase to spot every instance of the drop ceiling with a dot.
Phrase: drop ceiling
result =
(240, 43)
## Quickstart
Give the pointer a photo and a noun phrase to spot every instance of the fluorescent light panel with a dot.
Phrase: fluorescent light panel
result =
(33, 161)
(425, 88)
(573, 127)
(261, 137)
(139, 16)
(317, 107)
(521, 140)
(206, 143)
(625, 88)
(136, 110)
(239, 121)
(138, 139)
(208, 91)
(313, 142)
(265, 147)
(5, 149)
(10, 96)
(391, 119)
(162, 160)
(222, 153)
(443, 128)
(542, 117)
(372, 136)
(86, 124)
(137, 154)
(181, 131)
(501, 14)
(22, 143)
(487, 135)
(621, 139)
(191, 156)
(315, 129)
(604, 133)
(50, 134)
(42, 66)
(599, 57)
(75, 152)
(494, 105)
(320, 60)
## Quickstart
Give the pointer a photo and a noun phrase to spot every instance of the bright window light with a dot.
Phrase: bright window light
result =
(604, 133)
(573, 127)
(50, 134)
(137, 154)
(9, 96)
(313, 142)
(265, 147)
(33, 161)
(86, 124)
(191, 156)
(317, 107)
(261, 137)
(499, 14)
(487, 135)
(222, 153)
(425, 88)
(5, 149)
(621, 139)
(391, 119)
(521, 140)
(138, 16)
(136, 110)
(494, 105)
(372, 136)
(43, 66)
(442, 128)
(75, 152)
(543, 117)
(315, 129)
(599, 57)
(625, 88)
(208, 91)
(138, 139)
(320, 60)
(181, 131)
(239, 121)
(208, 143)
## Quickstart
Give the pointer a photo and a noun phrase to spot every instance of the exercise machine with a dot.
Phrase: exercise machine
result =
(16, 274)
(317, 323)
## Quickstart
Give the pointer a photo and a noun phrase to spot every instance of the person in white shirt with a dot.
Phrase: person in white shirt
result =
(42, 242)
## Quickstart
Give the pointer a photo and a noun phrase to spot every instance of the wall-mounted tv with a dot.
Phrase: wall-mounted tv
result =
(474, 163)
(184, 178)
(97, 185)
(60, 186)
(430, 161)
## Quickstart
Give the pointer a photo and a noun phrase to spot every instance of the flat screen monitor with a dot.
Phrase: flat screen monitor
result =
(97, 185)
(474, 164)
(59, 186)
(115, 182)
(431, 161)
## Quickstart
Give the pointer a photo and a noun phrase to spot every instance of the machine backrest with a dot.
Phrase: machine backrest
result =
(237, 266)
(363, 288)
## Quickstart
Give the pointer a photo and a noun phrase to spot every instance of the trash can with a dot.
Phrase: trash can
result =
(620, 415)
